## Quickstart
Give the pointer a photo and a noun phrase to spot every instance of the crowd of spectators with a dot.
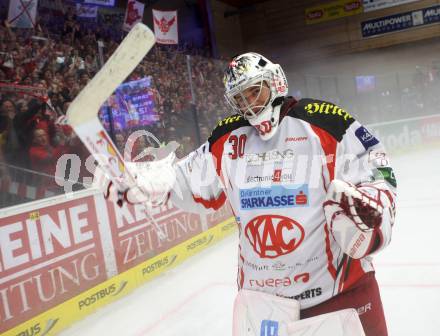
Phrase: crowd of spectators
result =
(43, 69)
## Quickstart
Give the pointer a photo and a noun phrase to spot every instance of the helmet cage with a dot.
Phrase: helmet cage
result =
(246, 106)
(254, 70)
(272, 75)
(240, 104)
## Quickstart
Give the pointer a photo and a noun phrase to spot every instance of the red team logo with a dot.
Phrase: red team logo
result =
(163, 24)
(272, 236)
(132, 13)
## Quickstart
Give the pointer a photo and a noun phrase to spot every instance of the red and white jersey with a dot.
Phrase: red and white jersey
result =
(276, 189)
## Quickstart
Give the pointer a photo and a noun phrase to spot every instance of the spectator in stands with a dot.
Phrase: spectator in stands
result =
(120, 142)
(9, 140)
(38, 115)
(8, 109)
(71, 87)
(83, 79)
(4, 173)
(5, 121)
(43, 156)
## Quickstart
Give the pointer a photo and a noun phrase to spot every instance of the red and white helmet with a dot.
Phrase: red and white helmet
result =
(254, 70)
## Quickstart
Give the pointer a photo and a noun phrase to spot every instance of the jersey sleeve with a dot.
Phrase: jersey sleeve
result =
(198, 187)
(361, 159)
(199, 184)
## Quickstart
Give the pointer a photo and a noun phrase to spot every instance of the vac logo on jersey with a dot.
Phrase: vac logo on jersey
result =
(275, 197)
(272, 236)
(365, 137)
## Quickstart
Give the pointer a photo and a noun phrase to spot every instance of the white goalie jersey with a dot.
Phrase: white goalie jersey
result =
(277, 188)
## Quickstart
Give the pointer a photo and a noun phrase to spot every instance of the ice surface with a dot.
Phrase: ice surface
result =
(196, 298)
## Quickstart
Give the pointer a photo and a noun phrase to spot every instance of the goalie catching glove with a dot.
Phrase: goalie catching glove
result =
(356, 216)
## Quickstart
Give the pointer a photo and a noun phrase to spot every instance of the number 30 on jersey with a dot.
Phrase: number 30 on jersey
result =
(237, 145)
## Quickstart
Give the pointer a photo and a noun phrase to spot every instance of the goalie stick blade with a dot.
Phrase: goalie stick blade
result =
(126, 57)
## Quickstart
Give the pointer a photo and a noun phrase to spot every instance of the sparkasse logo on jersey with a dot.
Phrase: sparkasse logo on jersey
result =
(272, 236)
(275, 197)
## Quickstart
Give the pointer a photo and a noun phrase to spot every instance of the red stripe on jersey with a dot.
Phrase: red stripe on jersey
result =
(331, 268)
(328, 144)
(240, 278)
(342, 277)
(377, 234)
(217, 149)
(323, 182)
(240, 272)
(213, 203)
(355, 272)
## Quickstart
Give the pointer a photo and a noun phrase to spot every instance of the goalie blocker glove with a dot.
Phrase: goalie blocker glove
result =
(154, 180)
(357, 216)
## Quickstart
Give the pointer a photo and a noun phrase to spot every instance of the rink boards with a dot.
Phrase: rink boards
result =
(63, 258)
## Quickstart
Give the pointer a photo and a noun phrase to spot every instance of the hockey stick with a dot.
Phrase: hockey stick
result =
(82, 114)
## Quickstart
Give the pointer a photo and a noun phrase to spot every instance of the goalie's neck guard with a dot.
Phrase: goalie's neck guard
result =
(267, 122)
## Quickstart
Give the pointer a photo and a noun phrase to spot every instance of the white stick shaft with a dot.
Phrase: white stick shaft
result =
(123, 61)
(83, 111)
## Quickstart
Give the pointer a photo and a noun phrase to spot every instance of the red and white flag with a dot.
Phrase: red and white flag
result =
(133, 14)
(165, 27)
(22, 13)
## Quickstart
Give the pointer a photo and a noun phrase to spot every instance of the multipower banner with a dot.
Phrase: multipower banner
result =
(402, 21)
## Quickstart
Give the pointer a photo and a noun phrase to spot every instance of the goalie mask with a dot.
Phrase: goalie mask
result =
(254, 88)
